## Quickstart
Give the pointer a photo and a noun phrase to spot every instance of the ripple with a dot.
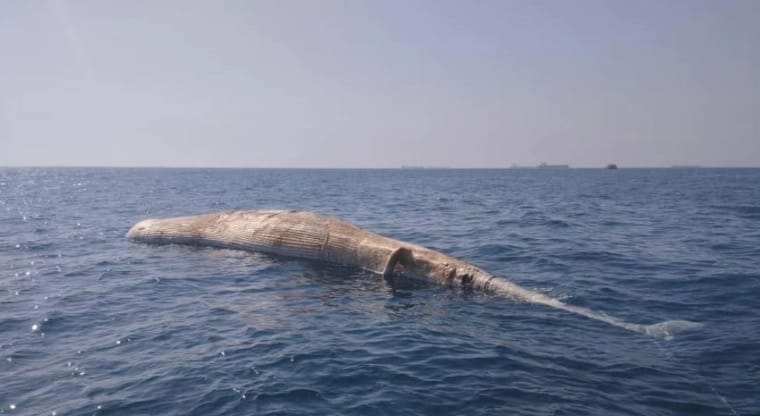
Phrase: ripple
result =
(174, 330)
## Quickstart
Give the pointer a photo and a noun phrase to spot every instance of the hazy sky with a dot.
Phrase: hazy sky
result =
(379, 83)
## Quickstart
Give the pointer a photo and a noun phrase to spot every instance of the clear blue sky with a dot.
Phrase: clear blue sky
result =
(379, 83)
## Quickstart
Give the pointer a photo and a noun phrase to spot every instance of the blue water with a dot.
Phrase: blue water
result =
(91, 324)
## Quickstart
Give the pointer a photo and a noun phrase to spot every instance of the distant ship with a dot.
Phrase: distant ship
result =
(545, 165)
(612, 166)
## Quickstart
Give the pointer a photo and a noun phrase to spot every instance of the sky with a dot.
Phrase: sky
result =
(374, 84)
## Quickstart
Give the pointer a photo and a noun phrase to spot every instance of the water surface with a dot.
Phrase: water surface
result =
(93, 324)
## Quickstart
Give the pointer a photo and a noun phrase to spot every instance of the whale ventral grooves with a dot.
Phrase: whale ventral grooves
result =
(306, 235)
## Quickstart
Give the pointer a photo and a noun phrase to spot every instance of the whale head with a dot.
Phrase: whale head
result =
(144, 230)
(182, 230)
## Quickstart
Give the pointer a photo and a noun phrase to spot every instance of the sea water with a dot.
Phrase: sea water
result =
(91, 324)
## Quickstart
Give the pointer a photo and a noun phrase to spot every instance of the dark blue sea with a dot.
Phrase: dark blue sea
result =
(91, 324)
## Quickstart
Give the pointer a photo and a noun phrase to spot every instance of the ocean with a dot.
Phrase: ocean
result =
(92, 324)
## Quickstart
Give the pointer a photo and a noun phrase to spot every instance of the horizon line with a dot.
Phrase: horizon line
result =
(402, 167)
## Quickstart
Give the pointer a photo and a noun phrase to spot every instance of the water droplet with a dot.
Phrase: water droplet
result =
(100, 407)
(28, 273)
(35, 327)
(221, 353)
(68, 364)
(9, 359)
(243, 396)
(118, 342)
(53, 413)
(292, 358)
(46, 298)
(36, 307)
(12, 406)
(18, 245)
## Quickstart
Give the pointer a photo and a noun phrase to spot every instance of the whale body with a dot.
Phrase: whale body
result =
(307, 235)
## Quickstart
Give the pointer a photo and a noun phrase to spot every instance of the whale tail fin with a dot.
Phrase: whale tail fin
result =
(667, 329)
(664, 330)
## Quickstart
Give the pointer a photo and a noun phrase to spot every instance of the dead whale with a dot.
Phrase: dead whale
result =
(307, 235)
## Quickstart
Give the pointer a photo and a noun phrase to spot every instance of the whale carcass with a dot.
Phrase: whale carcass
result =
(307, 235)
